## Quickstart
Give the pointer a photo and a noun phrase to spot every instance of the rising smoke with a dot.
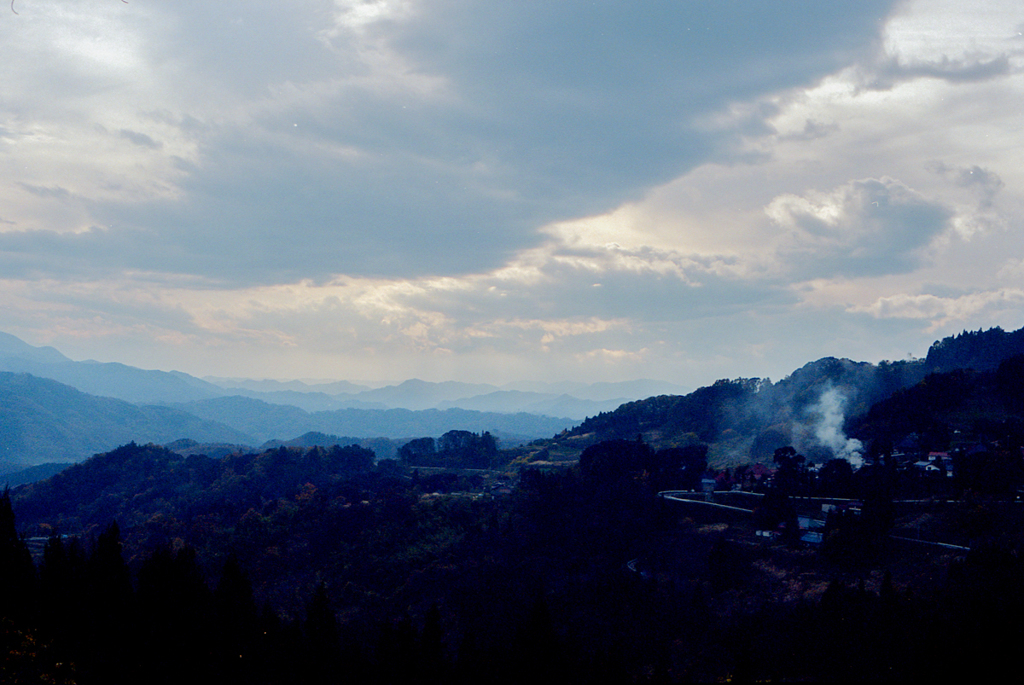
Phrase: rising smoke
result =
(828, 415)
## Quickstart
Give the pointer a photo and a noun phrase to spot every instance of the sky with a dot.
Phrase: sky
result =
(492, 191)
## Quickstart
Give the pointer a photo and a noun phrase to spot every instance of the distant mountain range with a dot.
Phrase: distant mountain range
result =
(119, 381)
(264, 421)
(52, 409)
(558, 400)
(59, 410)
(572, 400)
(46, 421)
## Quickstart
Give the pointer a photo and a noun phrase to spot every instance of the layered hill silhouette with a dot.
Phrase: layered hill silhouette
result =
(46, 421)
(110, 379)
(266, 421)
(741, 419)
(559, 400)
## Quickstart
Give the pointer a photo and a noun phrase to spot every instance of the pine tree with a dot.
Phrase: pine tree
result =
(110, 637)
(321, 630)
(17, 572)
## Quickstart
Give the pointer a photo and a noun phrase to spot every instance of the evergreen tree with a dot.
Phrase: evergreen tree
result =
(62, 592)
(321, 628)
(110, 638)
(17, 572)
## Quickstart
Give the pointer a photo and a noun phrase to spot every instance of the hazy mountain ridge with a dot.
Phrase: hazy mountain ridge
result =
(308, 401)
(12, 348)
(418, 394)
(739, 419)
(44, 420)
(269, 385)
(111, 379)
(267, 421)
(557, 400)
(534, 403)
(33, 474)
(105, 379)
(47, 421)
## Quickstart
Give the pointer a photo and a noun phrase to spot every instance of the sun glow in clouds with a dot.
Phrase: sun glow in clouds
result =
(417, 180)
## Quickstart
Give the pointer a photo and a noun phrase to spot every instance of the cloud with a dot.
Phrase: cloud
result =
(984, 181)
(812, 130)
(945, 310)
(393, 138)
(970, 70)
(582, 302)
(140, 139)
(868, 227)
(459, 188)
(51, 192)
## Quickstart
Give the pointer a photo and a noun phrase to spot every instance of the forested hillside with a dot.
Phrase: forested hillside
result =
(382, 574)
(462, 562)
(951, 408)
(812, 408)
(977, 350)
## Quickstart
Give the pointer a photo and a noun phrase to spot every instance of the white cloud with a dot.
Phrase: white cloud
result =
(941, 311)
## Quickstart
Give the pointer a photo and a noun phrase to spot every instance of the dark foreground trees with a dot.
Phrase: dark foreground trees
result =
(580, 575)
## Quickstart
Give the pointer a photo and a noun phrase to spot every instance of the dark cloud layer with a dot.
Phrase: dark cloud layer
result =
(550, 110)
(870, 227)
(893, 71)
(140, 139)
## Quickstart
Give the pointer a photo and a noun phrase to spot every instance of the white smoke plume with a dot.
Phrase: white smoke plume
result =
(828, 427)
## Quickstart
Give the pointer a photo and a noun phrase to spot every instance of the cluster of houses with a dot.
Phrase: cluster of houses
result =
(932, 464)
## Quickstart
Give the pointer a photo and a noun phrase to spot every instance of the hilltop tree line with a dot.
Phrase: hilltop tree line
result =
(461, 449)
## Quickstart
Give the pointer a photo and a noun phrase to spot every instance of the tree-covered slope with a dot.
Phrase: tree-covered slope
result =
(746, 418)
(816, 406)
(750, 418)
(978, 350)
(945, 409)
(134, 482)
